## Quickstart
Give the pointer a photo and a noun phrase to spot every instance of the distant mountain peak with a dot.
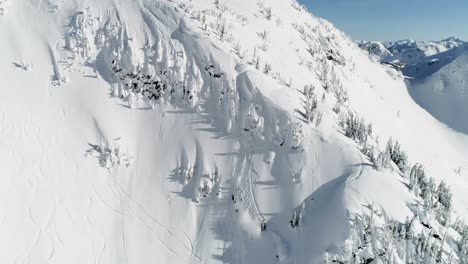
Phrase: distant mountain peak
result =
(452, 39)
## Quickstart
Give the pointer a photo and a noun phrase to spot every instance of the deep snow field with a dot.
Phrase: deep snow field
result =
(154, 131)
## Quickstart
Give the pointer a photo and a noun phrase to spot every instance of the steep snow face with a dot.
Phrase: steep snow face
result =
(443, 93)
(199, 132)
(437, 76)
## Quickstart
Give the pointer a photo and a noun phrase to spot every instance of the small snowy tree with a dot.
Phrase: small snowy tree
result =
(337, 107)
(222, 30)
(311, 104)
(429, 197)
(267, 68)
(355, 128)
(463, 244)
(444, 195)
(263, 35)
(256, 62)
(267, 13)
(444, 198)
(318, 118)
(324, 75)
(417, 175)
(369, 151)
(296, 219)
(397, 155)
(382, 161)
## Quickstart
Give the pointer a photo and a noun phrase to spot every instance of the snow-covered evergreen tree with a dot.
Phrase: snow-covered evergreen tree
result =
(397, 155)
(355, 128)
(311, 105)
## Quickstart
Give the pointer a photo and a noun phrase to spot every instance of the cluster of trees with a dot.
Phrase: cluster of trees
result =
(152, 88)
(331, 83)
(266, 11)
(397, 155)
(356, 128)
(214, 19)
(394, 242)
(463, 243)
(147, 85)
(211, 70)
(110, 154)
(218, 22)
(383, 160)
(436, 198)
(425, 247)
(311, 106)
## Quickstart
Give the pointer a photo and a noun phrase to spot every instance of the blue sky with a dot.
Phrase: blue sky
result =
(395, 19)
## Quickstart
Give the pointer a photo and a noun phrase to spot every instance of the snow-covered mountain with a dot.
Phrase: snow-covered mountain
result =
(417, 58)
(437, 74)
(377, 50)
(411, 51)
(156, 131)
(444, 93)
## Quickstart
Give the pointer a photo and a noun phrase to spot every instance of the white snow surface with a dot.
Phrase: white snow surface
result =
(165, 193)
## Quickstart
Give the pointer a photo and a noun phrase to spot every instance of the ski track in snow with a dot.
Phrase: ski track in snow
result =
(140, 213)
(252, 170)
(122, 230)
(360, 166)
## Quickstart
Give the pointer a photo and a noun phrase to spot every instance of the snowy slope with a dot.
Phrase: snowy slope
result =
(443, 93)
(436, 72)
(175, 131)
